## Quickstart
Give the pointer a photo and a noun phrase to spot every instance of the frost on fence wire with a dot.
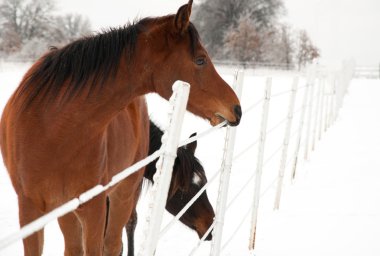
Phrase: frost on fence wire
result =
(260, 158)
(286, 142)
(225, 175)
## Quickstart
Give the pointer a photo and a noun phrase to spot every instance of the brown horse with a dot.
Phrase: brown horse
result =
(79, 117)
(188, 179)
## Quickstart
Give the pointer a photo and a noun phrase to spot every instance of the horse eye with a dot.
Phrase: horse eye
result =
(200, 61)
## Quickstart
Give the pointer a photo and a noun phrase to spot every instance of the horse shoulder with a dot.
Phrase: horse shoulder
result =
(128, 136)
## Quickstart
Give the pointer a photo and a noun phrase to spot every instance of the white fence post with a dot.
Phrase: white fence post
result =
(225, 176)
(323, 99)
(286, 143)
(164, 165)
(260, 158)
(310, 112)
(316, 111)
(339, 95)
(327, 106)
(300, 130)
(332, 101)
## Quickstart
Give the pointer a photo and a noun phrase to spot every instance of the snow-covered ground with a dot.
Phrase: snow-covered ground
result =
(331, 208)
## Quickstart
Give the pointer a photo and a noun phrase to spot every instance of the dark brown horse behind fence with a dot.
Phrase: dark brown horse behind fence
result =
(79, 117)
(187, 180)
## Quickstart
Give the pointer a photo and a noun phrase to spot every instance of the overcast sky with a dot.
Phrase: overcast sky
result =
(342, 29)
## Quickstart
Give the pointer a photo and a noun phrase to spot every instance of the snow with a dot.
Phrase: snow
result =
(331, 208)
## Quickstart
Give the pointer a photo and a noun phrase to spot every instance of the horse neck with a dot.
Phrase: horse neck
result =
(91, 111)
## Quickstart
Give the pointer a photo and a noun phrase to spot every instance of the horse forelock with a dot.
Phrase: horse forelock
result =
(185, 167)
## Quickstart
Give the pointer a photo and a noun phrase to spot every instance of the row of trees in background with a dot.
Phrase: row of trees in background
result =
(249, 31)
(234, 30)
(29, 27)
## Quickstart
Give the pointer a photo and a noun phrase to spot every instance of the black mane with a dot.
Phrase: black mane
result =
(91, 59)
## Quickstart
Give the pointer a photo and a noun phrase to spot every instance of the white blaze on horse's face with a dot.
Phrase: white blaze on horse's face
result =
(197, 180)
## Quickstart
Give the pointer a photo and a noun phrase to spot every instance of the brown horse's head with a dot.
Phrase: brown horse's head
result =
(179, 55)
(187, 180)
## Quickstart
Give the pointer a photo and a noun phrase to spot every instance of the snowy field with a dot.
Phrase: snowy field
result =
(332, 207)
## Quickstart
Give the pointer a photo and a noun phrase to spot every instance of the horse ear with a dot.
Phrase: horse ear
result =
(193, 145)
(182, 18)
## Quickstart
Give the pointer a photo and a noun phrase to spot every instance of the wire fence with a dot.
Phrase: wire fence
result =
(313, 103)
(367, 72)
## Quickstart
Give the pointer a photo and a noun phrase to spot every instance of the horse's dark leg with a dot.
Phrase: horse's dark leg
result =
(130, 229)
(107, 215)
(122, 202)
(72, 234)
(28, 212)
(92, 216)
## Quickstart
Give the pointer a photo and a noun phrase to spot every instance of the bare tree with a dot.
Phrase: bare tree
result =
(306, 51)
(274, 46)
(287, 44)
(279, 46)
(10, 13)
(28, 27)
(243, 43)
(28, 19)
(69, 27)
(10, 41)
(214, 18)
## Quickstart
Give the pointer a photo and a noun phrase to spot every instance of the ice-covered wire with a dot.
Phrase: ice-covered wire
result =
(202, 239)
(294, 134)
(237, 228)
(282, 121)
(188, 205)
(272, 155)
(297, 110)
(240, 191)
(274, 95)
(268, 187)
(202, 134)
(245, 150)
(303, 87)
(254, 105)
(73, 204)
(277, 125)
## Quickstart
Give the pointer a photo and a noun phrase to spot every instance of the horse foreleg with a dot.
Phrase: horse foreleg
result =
(130, 229)
(28, 212)
(122, 202)
(92, 216)
(72, 234)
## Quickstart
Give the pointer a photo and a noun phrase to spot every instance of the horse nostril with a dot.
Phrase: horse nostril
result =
(238, 113)
(237, 110)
